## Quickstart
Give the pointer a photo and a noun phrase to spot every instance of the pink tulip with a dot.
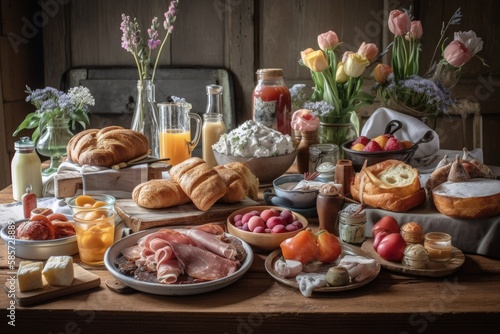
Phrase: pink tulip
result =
(328, 40)
(369, 50)
(416, 30)
(399, 22)
(381, 72)
(457, 54)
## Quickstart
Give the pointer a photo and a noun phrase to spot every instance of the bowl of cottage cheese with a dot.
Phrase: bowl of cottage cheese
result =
(267, 152)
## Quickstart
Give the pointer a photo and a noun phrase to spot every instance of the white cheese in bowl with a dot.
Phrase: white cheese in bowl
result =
(255, 140)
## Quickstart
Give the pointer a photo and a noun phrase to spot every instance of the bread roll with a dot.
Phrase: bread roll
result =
(199, 181)
(106, 147)
(159, 194)
(251, 182)
(390, 185)
(475, 199)
(234, 183)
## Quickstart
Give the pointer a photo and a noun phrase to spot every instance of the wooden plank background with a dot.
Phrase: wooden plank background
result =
(239, 35)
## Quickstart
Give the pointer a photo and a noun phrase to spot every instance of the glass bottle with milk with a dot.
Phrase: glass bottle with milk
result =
(213, 123)
(26, 169)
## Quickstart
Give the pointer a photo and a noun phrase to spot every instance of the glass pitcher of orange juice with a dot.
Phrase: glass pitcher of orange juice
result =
(175, 131)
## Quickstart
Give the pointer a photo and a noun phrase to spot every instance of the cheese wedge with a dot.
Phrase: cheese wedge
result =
(59, 270)
(29, 275)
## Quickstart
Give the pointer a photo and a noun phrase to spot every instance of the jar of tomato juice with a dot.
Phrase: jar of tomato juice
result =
(271, 101)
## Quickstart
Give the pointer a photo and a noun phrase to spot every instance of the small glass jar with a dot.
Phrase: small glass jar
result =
(413, 233)
(271, 101)
(321, 153)
(438, 245)
(416, 256)
(352, 224)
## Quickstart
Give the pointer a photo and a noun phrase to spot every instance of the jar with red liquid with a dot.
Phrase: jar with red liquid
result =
(271, 101)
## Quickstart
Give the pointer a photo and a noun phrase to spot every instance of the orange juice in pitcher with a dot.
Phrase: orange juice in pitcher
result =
(174, 144)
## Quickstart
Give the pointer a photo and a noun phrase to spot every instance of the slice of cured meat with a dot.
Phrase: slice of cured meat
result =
(212, 243)
(203, 264)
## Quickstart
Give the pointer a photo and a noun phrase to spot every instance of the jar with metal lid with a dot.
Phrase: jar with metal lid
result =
(271, 101)
(26, 169)
(321, 153)
(352, 223)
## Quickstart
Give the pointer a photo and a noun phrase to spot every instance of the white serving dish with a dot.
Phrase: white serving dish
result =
(170, 289)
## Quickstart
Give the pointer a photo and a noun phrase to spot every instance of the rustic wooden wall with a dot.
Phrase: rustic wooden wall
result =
(242, 36)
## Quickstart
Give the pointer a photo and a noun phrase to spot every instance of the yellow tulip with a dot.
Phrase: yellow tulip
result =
(316, 61)
(355, 65)
(340, 76)
(303, 55)
(381, 72)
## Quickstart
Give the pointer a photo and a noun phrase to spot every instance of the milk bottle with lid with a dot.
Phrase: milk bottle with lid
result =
(26, 169)
(213, 124)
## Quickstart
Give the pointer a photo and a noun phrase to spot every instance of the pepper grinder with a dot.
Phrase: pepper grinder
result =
(329, 203)
(344, 173)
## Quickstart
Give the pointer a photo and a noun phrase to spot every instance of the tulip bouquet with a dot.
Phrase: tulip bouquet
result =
(337, 86)
(400, 87)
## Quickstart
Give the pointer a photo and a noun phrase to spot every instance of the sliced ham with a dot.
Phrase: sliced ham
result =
(211, 243)
(203, 264)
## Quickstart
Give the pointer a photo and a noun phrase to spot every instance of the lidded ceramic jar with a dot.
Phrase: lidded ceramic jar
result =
(416, 256)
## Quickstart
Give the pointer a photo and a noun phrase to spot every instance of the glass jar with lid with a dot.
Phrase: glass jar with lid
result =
(352, 221)
(271, 101)
(26, 169)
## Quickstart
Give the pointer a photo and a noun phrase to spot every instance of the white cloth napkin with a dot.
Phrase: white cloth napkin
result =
(413, 130)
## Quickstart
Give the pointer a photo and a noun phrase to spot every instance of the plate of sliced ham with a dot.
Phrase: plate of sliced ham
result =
(179, 261)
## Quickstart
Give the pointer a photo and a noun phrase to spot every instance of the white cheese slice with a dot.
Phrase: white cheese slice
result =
(59, 270)
(29, 275)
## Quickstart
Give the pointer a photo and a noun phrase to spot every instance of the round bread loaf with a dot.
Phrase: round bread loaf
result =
(106, 147)
(390, 185)
(474, 199)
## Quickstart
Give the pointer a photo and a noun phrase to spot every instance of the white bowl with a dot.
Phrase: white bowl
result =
(37, 249)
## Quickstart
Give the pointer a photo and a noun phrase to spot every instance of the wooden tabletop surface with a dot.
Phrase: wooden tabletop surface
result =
(465, 302)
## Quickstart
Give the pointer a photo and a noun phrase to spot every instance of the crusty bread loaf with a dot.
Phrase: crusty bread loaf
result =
(106, 147)
(159, 193)
(234, 183)
(199, 181)
(474, 199)
(251, 182)
(390, 185)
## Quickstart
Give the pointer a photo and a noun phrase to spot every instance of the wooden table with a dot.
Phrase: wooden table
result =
(466, 302)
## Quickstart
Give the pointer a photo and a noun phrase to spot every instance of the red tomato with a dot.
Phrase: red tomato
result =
(386, 223)
(301, 247)
(329, 248)
(378, 238)
(391, 247)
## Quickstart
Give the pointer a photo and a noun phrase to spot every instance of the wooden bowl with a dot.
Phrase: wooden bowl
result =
(263, 241)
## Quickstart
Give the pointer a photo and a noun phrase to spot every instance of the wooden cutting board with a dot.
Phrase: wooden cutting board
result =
(84, 280)
(138, 218)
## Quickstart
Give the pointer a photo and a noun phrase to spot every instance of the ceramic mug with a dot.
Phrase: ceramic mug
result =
(175, 131)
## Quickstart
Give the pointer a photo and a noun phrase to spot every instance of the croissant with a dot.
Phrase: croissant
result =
(251, 182)
(106, 147)
(234, 183)
(199, 181)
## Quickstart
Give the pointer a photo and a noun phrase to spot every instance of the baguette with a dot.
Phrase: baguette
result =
(390, 185)
(159, 194)
(199, 181)
(106, 147)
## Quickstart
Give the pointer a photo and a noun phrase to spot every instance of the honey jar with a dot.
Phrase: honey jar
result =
(438, 245)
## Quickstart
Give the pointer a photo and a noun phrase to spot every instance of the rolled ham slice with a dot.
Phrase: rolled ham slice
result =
(212, 243)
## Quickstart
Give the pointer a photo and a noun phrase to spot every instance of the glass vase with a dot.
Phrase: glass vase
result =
(53, 141)
(145, 118)
(336, 130)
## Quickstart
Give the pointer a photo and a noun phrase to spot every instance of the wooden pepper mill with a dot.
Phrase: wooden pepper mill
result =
(344, 173)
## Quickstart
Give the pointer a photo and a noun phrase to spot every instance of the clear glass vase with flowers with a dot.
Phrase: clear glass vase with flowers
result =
(55, 112)
(145, 117)
(337, 93)
(400, 86)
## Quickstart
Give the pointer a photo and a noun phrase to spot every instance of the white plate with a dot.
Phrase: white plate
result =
(170, 289)
(323, 268)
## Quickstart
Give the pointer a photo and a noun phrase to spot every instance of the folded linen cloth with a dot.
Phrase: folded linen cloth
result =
(413, 129)
(101, 180)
